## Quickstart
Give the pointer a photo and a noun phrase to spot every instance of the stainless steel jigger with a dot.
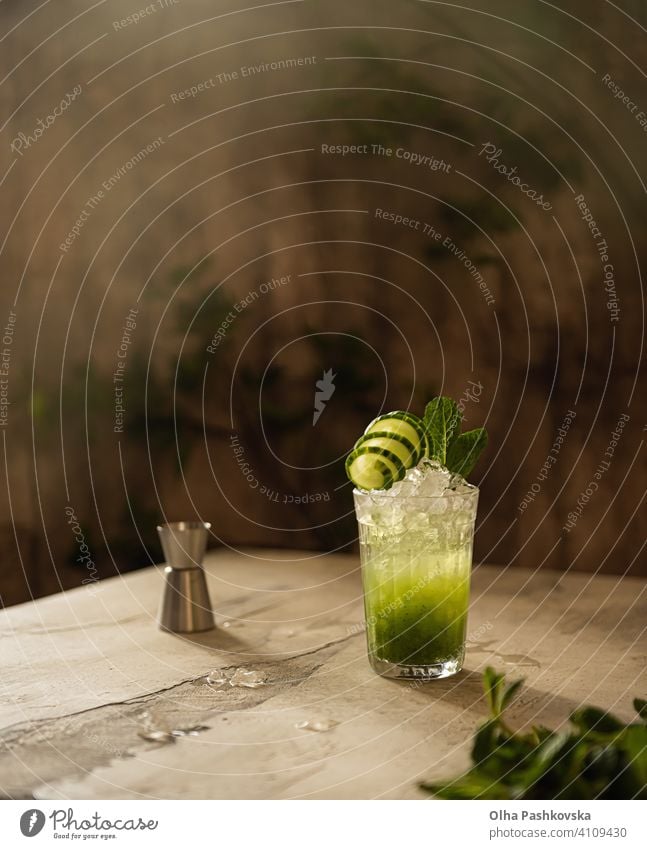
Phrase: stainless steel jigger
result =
(186, 607)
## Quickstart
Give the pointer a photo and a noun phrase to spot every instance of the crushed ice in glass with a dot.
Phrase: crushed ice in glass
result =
(427, 491)
(429, 478)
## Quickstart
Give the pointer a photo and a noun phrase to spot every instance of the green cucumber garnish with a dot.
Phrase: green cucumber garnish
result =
(367, 470)
(395, 442)
(402, 424)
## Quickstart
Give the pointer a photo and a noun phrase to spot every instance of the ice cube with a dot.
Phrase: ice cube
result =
(247, 678)
(239, 677)
(316, 724)
(216, 677)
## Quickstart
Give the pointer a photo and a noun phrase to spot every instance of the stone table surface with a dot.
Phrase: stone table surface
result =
(86, 673)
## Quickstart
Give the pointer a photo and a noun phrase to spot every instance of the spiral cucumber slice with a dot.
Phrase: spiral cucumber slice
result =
(367, 468)
(407, 425)
(393, 447)
(391, 444)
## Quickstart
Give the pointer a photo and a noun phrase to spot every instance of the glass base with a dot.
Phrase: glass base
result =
(426, 672)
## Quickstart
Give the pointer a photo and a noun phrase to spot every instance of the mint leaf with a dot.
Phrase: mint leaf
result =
(472, 785)
(634, 745)
(597, 758)
(443, 421)
(510, 692)
(465, 450)
(640, 706)
(457, 451)
(493, 684)
(593, 719)
(486, 741)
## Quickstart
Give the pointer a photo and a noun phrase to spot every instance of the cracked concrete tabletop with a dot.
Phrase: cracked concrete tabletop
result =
(97, 702)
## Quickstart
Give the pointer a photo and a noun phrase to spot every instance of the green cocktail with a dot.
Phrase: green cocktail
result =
(416, 515)
(416, 553)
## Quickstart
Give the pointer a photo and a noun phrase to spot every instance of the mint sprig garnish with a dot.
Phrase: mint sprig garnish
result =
(598, 757)
(457, 451)
(443, 422)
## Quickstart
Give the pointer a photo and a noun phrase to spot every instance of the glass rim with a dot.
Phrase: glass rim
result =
(373, 493)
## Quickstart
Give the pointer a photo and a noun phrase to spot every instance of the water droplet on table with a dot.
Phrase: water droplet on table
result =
(193, 731)
(153, 730)
(485, 647)
(519, 660)
(157, 735)
(316, 724)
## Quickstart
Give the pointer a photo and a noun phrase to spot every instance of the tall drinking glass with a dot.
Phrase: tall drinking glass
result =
(416, 555)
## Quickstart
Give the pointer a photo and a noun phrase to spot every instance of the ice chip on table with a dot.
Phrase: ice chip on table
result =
(238, 677)
(247, 678)
(216, 677)
(316, 724)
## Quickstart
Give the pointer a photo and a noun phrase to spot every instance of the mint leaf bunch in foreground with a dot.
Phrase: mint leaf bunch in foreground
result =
(396, 442)
(599, 757)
